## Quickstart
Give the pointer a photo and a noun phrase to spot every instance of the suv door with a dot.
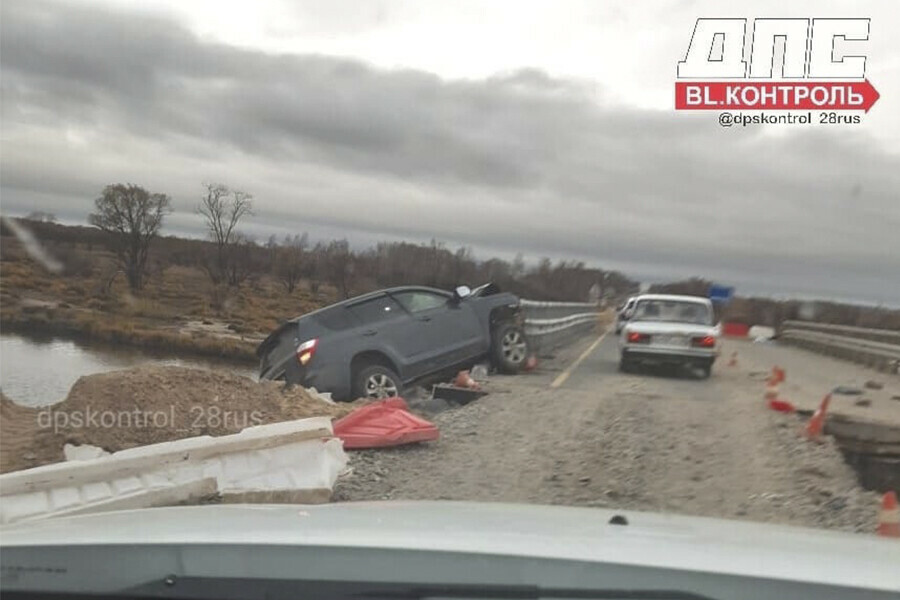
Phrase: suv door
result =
(452, 332)
(386, 326)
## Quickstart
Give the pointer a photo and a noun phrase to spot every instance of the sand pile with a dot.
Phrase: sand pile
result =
(147, 405)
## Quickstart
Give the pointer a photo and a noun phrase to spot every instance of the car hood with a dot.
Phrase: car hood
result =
(200, 541)
(668, 328)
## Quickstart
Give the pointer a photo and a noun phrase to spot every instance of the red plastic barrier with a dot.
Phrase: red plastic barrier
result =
(383, 423)
(735, 329)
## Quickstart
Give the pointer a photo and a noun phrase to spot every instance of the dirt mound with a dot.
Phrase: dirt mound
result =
(23, 443)
(147, 405)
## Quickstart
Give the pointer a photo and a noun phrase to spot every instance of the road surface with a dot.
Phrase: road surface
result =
(578, 432)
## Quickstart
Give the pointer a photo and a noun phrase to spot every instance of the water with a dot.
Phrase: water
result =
(39, 371)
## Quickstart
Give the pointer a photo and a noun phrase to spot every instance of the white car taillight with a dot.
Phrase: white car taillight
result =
(706, 341)
(634, 337)
(306, 351)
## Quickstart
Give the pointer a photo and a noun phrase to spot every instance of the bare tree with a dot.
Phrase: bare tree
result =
(133, 216)
(339, 266)
(463, 263)
(222, 209)
(271, 253)
(292, 264)
(437, 255)
(517, 268)
(242, 260)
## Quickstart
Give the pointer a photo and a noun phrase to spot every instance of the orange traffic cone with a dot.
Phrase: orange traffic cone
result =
(777, 376)
(889, 519)
(816, 423)
(781, 405)
(733, 361)
(772, 399)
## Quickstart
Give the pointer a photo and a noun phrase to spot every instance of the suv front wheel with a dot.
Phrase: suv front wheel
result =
(509, 348)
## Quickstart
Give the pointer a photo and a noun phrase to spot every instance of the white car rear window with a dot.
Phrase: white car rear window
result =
(672, 311)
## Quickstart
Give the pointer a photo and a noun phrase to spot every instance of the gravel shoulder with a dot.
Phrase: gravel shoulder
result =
(811, 375)
(651, 441)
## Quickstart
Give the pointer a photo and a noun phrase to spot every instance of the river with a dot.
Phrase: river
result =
(39, 371)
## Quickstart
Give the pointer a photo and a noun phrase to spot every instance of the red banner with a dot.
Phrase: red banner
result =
(770, 95)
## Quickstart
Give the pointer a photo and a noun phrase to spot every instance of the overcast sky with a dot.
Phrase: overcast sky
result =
(546, 128)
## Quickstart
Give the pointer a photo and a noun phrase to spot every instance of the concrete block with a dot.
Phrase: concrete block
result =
(295, 459)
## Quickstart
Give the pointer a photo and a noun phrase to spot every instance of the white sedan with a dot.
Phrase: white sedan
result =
(668, 329)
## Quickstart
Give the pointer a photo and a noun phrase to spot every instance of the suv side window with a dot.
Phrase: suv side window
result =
(338, 318)
(420, 301)
(380, 309)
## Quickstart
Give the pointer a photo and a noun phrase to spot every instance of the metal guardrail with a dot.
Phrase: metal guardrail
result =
(879, 355)
(555, 310)
(549, 324)
(543, 304)
(888, 336)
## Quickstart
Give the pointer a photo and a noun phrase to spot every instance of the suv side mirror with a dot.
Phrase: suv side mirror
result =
(461, 292)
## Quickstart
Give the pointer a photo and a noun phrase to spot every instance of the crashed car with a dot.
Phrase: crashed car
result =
(669, 329)
(375, 345)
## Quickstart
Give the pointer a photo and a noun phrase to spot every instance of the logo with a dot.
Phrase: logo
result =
(788, 64)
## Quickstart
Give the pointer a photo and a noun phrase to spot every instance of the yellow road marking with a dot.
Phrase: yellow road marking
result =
(561, 378)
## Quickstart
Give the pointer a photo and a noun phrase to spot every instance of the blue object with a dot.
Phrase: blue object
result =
(720, 293)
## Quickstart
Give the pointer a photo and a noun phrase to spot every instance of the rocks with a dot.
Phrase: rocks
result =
(845, 390)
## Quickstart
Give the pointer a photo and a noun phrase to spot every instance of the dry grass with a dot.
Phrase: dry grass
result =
(81, 304)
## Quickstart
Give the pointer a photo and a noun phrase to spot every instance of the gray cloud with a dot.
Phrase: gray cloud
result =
(519, 161)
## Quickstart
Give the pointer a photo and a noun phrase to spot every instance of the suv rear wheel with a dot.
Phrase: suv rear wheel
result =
(509, 348)
(376, 381)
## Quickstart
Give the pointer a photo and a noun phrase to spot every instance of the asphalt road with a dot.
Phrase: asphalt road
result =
(578, 432)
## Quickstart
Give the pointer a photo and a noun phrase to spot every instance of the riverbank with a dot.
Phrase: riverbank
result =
(27, 380)
(178, 311)
(93, 326)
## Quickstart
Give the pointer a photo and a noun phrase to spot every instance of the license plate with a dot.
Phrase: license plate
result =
(670, 340)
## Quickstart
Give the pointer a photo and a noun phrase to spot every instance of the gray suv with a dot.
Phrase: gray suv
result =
(375, 345)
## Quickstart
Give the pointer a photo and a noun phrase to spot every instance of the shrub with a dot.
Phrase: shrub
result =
(76, 263)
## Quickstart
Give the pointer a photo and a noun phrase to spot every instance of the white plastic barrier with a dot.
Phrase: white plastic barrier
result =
(293, 461)
(761, 331)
